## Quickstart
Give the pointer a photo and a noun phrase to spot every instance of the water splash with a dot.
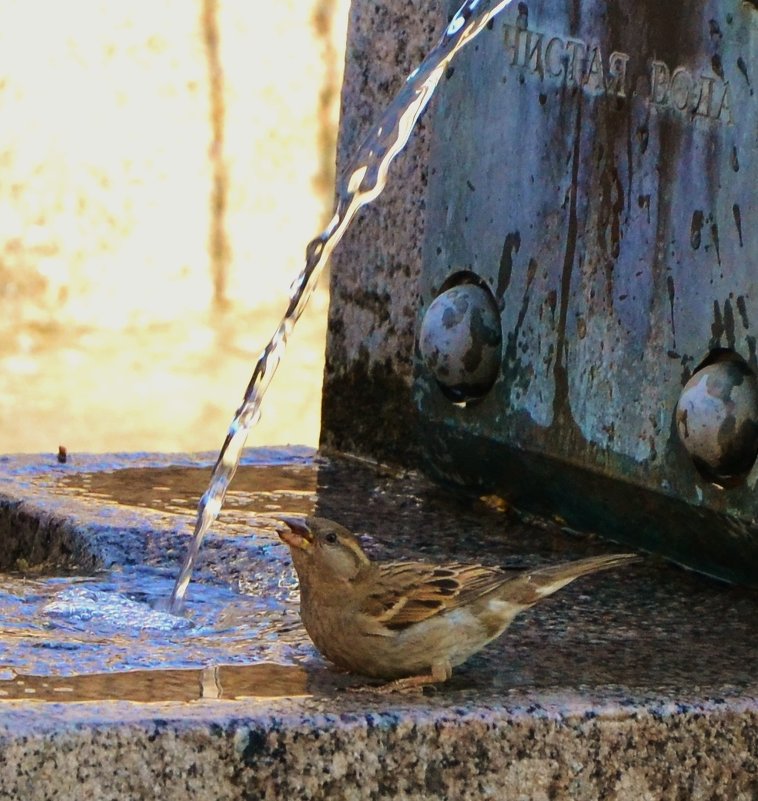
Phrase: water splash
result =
(84, 604)
(85, 625)
(362, 182)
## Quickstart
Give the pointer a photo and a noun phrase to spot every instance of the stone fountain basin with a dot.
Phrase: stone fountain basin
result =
(640, 683)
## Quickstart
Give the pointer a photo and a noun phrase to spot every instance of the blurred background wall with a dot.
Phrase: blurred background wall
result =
(163, 164)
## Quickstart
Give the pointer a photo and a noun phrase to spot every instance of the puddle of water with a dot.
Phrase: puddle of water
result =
(85, 625)
(260, 492)
(107, 636)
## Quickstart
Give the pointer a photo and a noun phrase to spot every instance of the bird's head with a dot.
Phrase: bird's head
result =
(322, 549)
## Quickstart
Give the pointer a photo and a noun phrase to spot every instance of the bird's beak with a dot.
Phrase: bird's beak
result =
(297, 534)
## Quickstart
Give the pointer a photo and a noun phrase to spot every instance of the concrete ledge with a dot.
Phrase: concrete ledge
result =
(638, 684)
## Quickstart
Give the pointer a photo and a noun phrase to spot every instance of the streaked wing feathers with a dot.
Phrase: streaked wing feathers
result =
(405, 593)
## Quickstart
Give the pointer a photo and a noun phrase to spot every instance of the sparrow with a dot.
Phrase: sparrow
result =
(409, 622)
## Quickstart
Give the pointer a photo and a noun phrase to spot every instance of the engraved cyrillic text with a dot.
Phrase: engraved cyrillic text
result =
(578, 63)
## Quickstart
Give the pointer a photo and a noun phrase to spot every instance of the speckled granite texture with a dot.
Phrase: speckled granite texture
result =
(375, 271)
(636, 684)
(328, 748)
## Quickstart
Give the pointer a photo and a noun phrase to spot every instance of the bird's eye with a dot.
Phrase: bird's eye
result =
(331, 538)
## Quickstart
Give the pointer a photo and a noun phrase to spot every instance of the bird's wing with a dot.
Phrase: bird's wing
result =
(404, 593)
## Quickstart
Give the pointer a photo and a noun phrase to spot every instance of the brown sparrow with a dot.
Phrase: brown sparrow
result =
(409, 621)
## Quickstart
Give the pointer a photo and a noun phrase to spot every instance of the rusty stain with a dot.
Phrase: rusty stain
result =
(611, 210)
(696, 228)
(742, 67)
(752, 347)
(738, 221)
(511, 245)
(643, 135)
(717, 326)
(552, 302)
(561, 405)
(653, 450)
(629, 161)
(715, 238)
(729, 324)
(717, 65)
(672, 296)
(682, 420)
(742, 309)
(511, 358)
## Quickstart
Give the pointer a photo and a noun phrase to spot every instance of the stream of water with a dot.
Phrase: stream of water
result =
(361, 183)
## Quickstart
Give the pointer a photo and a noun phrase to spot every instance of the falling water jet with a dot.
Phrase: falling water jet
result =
(361, 183)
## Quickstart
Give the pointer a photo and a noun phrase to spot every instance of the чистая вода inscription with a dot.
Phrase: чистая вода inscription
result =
(583, 64)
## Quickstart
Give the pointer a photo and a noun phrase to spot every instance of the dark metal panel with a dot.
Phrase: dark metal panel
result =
(595, 165)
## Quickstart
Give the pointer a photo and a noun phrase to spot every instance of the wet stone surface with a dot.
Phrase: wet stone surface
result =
(236, 700)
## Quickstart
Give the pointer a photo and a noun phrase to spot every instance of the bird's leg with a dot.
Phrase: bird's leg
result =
(440, 672)
(408, 684)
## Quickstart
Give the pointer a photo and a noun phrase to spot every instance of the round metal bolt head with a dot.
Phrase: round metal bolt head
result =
(460, 341)
(717, 418)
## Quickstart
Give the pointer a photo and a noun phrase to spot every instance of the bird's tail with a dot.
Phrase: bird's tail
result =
(533, 585)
